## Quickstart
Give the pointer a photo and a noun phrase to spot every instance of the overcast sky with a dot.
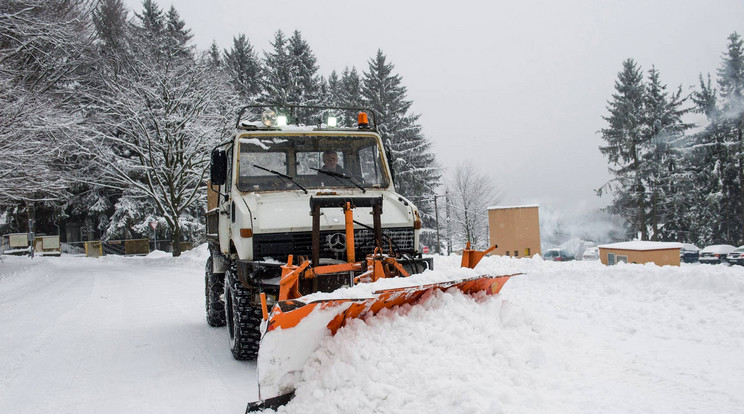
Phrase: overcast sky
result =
(517, 88)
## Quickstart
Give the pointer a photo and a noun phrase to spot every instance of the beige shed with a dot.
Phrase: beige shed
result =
(516, 230)
(660, 253)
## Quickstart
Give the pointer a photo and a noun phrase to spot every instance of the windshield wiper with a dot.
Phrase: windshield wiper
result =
(278, 174)
(340, 175)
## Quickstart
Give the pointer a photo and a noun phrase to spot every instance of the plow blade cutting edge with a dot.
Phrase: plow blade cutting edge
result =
(282, 355)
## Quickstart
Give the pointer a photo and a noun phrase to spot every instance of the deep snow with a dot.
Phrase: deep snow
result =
(124, 335)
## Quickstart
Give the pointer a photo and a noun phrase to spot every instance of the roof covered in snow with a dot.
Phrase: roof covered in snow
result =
(510, 207)
(642, 245)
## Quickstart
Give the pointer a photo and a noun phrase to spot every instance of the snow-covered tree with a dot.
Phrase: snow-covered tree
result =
(155, 125)
(350, 88)
(644, 135)
(277, 74)
(215, 58)
(416, 172)
(244, 68)
(178, 36)
(290, 76)
(44, 49)
(471, 193)
(112, 32)
(307, 82)
(717, 154)
(663, 135)
(625, 138)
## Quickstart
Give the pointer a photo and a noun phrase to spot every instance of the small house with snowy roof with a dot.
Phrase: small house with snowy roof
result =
(660, 253)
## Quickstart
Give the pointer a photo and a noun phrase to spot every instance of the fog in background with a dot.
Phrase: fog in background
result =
(516, 88)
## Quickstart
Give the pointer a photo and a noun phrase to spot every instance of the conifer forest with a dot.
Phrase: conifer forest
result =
(108, 116)
(673, 180)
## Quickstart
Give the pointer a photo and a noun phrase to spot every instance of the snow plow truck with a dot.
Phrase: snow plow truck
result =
(289, 229)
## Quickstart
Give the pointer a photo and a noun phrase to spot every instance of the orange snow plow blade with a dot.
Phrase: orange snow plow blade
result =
(287, 314)
(296, 328)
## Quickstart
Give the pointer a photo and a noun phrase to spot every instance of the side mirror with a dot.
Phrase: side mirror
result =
(389, 156)
(218, 167)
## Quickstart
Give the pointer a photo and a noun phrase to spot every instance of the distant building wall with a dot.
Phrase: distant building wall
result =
(516, 230)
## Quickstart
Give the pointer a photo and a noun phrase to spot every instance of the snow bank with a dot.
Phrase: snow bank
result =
(567, 337)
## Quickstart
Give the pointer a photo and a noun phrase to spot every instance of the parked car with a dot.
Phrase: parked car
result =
(737, 256)
(689, 253)
(591, 253)
(716, 253)
(557, 255)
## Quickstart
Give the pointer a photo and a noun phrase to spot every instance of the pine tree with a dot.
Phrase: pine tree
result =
(731, 86)
(625, 139)
(333, 90)
(277, 75)
(214, 55)
(177, 35)
(663, 132)
(350, 93)
(152, 21)
(731, 77)
(346, 92)
(244, 68)
(416, 172)
(112, 30)
(291, 77)
(717, 153)
(304, 66)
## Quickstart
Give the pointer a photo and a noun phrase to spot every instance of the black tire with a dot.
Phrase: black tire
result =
(214, 287)
(243, 320)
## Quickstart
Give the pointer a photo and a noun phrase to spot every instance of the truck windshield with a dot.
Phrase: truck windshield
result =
(301, 156)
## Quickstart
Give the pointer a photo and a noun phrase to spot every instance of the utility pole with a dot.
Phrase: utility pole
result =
(436, 220)
(449, 225)
(31, 212)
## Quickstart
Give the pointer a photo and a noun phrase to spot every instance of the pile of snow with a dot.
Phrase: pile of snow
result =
(123, 335)
(566, 337)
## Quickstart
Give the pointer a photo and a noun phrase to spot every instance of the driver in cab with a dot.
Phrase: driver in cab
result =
(330, 163)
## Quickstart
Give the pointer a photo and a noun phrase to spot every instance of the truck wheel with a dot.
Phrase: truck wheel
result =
(243, 320)
(214, 287)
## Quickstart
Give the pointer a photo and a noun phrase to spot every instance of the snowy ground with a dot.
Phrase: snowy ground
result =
(125, 335)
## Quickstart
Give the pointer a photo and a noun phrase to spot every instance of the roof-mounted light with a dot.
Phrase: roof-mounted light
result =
(332, 122)
(363, 121)
(281, 120)
(268, 117)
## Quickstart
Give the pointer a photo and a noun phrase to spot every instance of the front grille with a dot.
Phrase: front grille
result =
(332, 243)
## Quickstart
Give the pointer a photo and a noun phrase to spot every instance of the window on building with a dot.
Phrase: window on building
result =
(527, 251)
(620, 258)
(611, 259)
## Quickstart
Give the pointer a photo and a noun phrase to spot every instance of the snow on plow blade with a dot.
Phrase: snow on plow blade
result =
(295, 329)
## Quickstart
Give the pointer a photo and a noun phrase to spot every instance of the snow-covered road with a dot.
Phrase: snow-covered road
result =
(113, 335)
(126, 335)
